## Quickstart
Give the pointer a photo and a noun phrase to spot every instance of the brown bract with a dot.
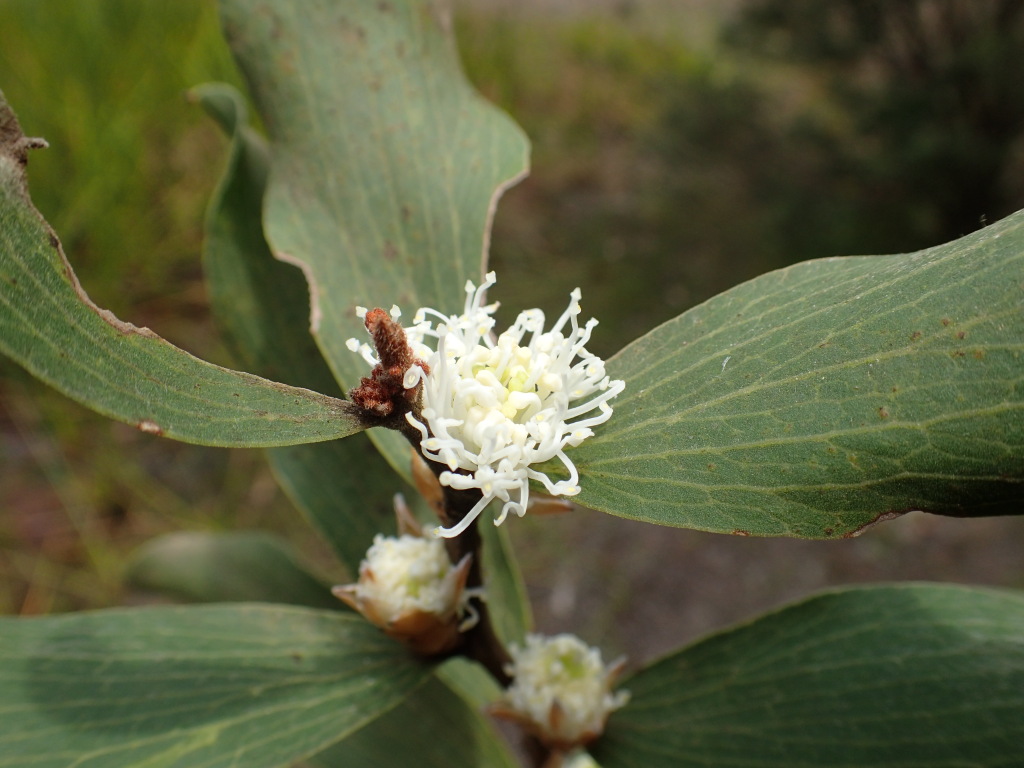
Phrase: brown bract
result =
(425, 633)
(554, 732)
(383, 391)
(546, 733)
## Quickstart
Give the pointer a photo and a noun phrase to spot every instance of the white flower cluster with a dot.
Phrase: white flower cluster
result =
(493, 408)
(561, 686)
(406, 573)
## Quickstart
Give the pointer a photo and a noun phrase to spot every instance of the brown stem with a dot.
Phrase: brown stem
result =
(481, 643)
(539, 755)
(554, 758)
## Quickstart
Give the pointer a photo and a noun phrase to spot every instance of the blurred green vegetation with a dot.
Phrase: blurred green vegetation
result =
(129, 166)
(909, 131)
(125, 183)
(663, 172)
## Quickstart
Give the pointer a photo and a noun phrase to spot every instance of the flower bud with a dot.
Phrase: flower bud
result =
(409, 588)
(561, 691)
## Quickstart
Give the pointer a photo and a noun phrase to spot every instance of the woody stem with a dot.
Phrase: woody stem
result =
(481, 643)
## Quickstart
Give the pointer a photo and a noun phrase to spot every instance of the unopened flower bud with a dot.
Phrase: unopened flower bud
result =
(409, 588)
(561, 691)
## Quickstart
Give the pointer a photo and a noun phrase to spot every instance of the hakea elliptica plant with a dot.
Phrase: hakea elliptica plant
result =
(489, 408)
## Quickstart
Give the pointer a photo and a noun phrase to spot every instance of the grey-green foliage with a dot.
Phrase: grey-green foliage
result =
(815, 399)
(203, 685)
(50, 326)
(808, 402)
(889, 677)
(387, 163)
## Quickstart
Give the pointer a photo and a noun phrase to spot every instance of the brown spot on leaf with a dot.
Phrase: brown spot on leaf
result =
(946, 321)
(389, 253)
(883, 412)
(960, 334)
(958, 353)
(829, 531)
(740, 532)
(915, 336)
(352, 32)
(979, 354)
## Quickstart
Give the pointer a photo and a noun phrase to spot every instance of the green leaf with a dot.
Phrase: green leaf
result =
(346, 491)
(261, 304)
(259, 686)
(470, 680)
(240, 566)
(815, 400)
(433, 728)
(507, 601)
(889, 677)
(344, 487)
(387, 165)
(49, 326)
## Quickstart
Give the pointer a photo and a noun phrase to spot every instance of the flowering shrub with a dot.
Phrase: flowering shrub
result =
(815, 401)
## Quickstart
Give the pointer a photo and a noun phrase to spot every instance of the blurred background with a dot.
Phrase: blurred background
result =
(679, 147)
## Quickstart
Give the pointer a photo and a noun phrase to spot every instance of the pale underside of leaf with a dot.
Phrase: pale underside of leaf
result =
(387, 165)
(225, 567)
(344, 487)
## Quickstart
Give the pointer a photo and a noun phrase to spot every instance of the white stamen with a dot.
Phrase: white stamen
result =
(494, 408)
